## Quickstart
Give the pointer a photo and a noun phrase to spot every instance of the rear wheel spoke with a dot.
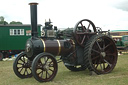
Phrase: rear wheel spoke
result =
(96, 51)
(107, 45)
(94, 58)
(108, 63)
(98, 45)
(101, 67)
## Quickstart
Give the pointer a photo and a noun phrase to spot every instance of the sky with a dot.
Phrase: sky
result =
(107, 14)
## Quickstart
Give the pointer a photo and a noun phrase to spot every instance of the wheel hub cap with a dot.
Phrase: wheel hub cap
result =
(103, 54)
(46, 67)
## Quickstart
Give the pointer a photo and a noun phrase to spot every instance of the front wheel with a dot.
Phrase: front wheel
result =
(44, 67)
(22, 66)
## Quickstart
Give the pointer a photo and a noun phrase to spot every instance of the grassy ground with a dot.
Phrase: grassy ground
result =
(119, 76)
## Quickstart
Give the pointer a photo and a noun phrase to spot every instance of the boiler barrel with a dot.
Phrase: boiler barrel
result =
(58, 47)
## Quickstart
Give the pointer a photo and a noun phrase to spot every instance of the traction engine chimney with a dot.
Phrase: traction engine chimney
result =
(33, 13)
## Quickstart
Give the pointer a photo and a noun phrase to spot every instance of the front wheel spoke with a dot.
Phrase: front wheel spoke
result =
(21, 69)
(38, 67)
(22, 60)
(24, 71)
(42, 74)
(39, 62)
(27, 71)
(39, 73)
(46, 60)
(48, 73)
(20, 63)
(51, 70)
(51, 65)
(108, 63)
(30, 69)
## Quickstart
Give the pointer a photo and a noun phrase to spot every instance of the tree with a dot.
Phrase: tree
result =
(2, 20)
(14, 22)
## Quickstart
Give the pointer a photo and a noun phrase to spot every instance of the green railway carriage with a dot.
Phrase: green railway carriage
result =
(121, 39)
(13, 38)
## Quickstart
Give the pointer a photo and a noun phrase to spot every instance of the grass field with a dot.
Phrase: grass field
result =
(119, 76)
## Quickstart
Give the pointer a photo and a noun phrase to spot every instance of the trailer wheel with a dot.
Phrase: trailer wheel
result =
(76, 68)
(44, 67)
(1, 56)
(22, 66)
(100, 54)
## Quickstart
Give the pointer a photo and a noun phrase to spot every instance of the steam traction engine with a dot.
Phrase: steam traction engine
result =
(84, 47)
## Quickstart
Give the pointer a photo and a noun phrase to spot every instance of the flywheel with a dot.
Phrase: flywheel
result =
(83, 30)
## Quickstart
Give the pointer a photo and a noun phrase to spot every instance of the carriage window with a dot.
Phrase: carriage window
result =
(125, 38)
(11, 32)
(22, 31)
(16, 31)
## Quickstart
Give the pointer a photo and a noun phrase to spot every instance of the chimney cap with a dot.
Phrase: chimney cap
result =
(33, 3)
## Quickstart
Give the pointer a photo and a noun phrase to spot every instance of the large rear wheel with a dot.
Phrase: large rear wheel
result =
(100, 54)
